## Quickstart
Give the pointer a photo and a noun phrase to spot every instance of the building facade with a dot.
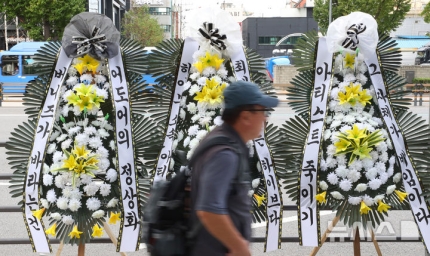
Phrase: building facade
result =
(262, 33)
(162, 11)
(114, 9)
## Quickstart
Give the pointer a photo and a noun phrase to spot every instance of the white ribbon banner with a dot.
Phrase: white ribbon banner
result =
(46, 120)
(419, 207)
(240, 65)
(308, 215)
(190, 46)
(274, 199)
(128, 240)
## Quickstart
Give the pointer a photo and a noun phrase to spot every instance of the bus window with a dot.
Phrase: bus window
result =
(28, 63)
(9, 65)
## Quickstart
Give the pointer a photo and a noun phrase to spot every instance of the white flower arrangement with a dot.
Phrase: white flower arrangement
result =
(358, 160)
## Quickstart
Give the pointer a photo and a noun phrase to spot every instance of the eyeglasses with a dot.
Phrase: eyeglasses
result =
(267, 111)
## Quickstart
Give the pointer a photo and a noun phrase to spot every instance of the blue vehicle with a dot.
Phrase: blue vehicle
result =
(17, 64)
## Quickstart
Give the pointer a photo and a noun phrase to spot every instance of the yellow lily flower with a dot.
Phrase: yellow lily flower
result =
(362, 151)
(92, 161)
(201, 96)
(259, 199)
(199, 66)
(364, 209)
(215, 96)
(96, 100)
(80, 67)
(38, 213)
(89, 62)
(401, 195)
(364, 98)
(211, 60)
(52, 230)
(97, 231)
(73, 99)
(356, 133)
(353, 89)
(80, 151)
(343, 97)
(70, 163)
(211, 83)
(84, 90)
(383, 207)
(114, 217)
(321, 197)
(342, 145)
(85, 103)
(349, 60)
(75, 233)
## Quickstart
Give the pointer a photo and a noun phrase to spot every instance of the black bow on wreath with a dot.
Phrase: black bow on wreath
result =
(212, 34)
(84, 44)
(353, 31)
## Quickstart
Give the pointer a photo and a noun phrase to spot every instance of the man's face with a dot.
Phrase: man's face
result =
(256, 120)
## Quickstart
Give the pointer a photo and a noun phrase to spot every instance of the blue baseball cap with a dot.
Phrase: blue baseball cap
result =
(241, 93)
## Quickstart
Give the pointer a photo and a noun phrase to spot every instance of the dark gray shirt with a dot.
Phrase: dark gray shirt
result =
(217, 188)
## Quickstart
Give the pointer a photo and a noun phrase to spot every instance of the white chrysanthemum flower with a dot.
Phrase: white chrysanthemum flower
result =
(55, 215)
(383, 177)
(67, 220)
(51, 196)
(45, 169)
(76, 194)
(349, 119)
(194, 76)
(323, 165)
(186, 141)
(332, 106)
(332, 178)
(192, 131)
(380, 167)
(95, 142)
(112, 203)
(201, 134)
(374, 154)
(91, 189)
(331, 162)
(102, 152)
(392, 160)
(194, 89)
(98, 214)
(390, 171)
(174, 145)
(327, 134)
(345, 185)
(187, 85)
(218, 121)
(85, 179)
(171, 164)
(194, 143)
(192, 108)
(51, 148)
(353, 175)
(61, 137)
(345, 128)
(354, 200)
(341, 171)
(334, 93)
(100, 79)
(103, 164)
(74, 205)
(73, 80)
(180, 135)
(367, 163)
(369, 201)
(205, 120)
(208, 71)
(375, 183)
(93, 204)
(371, 173)
(190, 153)
(74, 130)
(201, 81)
(383, 157)
(255, 183)
(331, 150)
(341, 160)
(335, 124)
(361, 187)
(67, 191)
(102, 133)
(323, 185)
(47, 180)
(390, 189)
(349, 77)
(62, 203)
(111, 175)
(357, 165)
(337, 195)
(379, 198)
(60, 181)
(222, 72)
(90, 130)
(82, 139)
(250, 192)
(54, 135)
(183, 102)
(397, 177)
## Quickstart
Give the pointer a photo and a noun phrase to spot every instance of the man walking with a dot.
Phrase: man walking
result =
(220, 180)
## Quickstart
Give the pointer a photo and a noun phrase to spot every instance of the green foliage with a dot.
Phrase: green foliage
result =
(43, 19)
(388, 13)
(426, 13)
(140, 26)
(421, 80)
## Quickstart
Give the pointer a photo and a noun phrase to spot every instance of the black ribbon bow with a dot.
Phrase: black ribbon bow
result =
(213, 35)
(84, 44)
(353, 31)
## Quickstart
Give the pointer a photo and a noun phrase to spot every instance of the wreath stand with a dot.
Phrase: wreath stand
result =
(356, 239)
(81, 247)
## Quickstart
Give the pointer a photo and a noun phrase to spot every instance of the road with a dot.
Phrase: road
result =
(400, 223)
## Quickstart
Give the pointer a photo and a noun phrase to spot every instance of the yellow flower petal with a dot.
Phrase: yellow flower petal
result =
(364, 209)
(80, 151)
(349, 60)
(401, 195)
(383, 207)
(52, 230)
(38, 213)
(97, 231)
(70, 163)
(356, 133)
(321, 197)
(114, 217)
(75, 233)
(341, 145)
(80, 67)
(199, 66)
(259, 199)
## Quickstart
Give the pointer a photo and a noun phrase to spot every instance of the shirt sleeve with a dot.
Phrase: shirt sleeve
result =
(216, 180)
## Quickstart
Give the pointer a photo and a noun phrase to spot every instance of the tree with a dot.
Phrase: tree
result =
(389, 14)
(426, 13)
(43, 19)
(137, 24)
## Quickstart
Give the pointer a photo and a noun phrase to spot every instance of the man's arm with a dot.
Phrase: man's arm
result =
(222, 228)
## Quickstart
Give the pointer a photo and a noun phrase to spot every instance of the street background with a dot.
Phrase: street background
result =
(399, 224)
